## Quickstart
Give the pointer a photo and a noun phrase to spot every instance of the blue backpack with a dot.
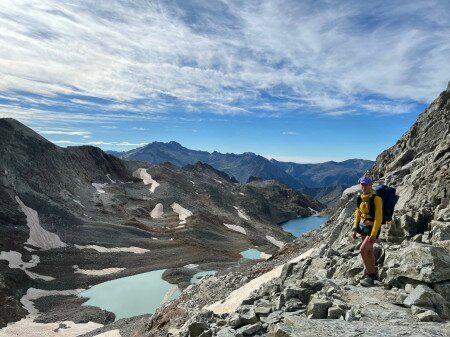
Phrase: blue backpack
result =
(387, 194)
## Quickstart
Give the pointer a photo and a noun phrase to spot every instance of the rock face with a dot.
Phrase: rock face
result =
(79, 206)
(321, 295)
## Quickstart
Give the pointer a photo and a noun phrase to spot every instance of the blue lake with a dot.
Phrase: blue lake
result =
(135, 295)
(302, 225)
(251, 254)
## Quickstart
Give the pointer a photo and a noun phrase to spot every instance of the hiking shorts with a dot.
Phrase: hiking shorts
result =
(365, 229)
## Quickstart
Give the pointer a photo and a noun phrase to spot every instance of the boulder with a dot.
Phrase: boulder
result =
(424, 296)
(335, 313)
(418, 262)
(196, 328)
(443, 289)
(440, 230)
(429, 316)
(318, 308)
(250, 329)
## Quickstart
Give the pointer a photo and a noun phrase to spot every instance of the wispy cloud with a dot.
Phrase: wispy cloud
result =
(119, 60)
(289, 133)
(69, 133)
(96, 143)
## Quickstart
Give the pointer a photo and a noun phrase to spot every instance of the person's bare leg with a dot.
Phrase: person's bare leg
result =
(367, 255)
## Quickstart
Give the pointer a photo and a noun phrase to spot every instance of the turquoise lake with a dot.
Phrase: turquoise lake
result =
(143, 293)
(302, 225)
(135, 295)
(251, 254)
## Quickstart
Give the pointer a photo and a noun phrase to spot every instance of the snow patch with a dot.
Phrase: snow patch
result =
(33, 294)
(191, 266)
(111, 333)
(193, 183)
(265, 256)
(182, 226)
(217, 180)
(241, 193)
(142, 173)
(15, 262)
(276, 242)
(157, 212)
(236, 228)
(135, 250)
(27, 327)
(242, 214)
(232, 302)
(99, 187)
(183, 213)
(97, 272)
(39, 237)
(113, 181)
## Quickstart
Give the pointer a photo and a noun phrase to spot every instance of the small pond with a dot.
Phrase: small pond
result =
(251, 254)
(302, 225)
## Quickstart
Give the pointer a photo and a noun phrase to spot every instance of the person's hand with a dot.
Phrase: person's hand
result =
(354, 234)
(371, 239)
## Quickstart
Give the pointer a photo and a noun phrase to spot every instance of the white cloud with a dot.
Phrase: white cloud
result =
(100, 143)
(289, 133)
(130, 144)
(139, 60)
(69, 133)
(64, 142)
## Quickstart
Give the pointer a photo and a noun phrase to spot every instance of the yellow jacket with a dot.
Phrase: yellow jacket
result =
(362, 213)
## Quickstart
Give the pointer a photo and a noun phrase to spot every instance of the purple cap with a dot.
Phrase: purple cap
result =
(365, 180)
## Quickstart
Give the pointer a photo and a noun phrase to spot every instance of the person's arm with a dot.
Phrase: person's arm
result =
(357, 218)
(378, 216)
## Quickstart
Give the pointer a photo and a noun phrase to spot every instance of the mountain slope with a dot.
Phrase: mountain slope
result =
(57, 204)
(243, 166)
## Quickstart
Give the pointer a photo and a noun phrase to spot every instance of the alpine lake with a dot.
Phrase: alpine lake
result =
(144, 293)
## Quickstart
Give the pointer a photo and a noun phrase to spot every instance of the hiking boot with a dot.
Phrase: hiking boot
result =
(367, 281)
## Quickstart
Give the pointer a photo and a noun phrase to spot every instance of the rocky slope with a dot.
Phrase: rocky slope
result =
(311, 287)
(69, 215)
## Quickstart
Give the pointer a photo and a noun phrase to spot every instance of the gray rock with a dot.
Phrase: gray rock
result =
(423, 263)
(350, 316)
(273, 317)
(318, 308)
(280, 302)
(196, 328)
(443, 289)
(226, 332)
(247, 315)
(415, 310)
(424, 296)
(293, 304)
(263, 309)
(440, 230)
(235, 320)
(250, 329)
(335, 313)
(429, 316)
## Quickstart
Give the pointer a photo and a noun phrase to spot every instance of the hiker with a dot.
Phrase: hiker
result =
(368, 226)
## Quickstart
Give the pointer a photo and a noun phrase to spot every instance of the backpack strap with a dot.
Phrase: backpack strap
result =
(372, 206)
(358, 200)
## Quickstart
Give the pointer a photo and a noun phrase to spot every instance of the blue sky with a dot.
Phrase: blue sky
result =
(303, 81)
